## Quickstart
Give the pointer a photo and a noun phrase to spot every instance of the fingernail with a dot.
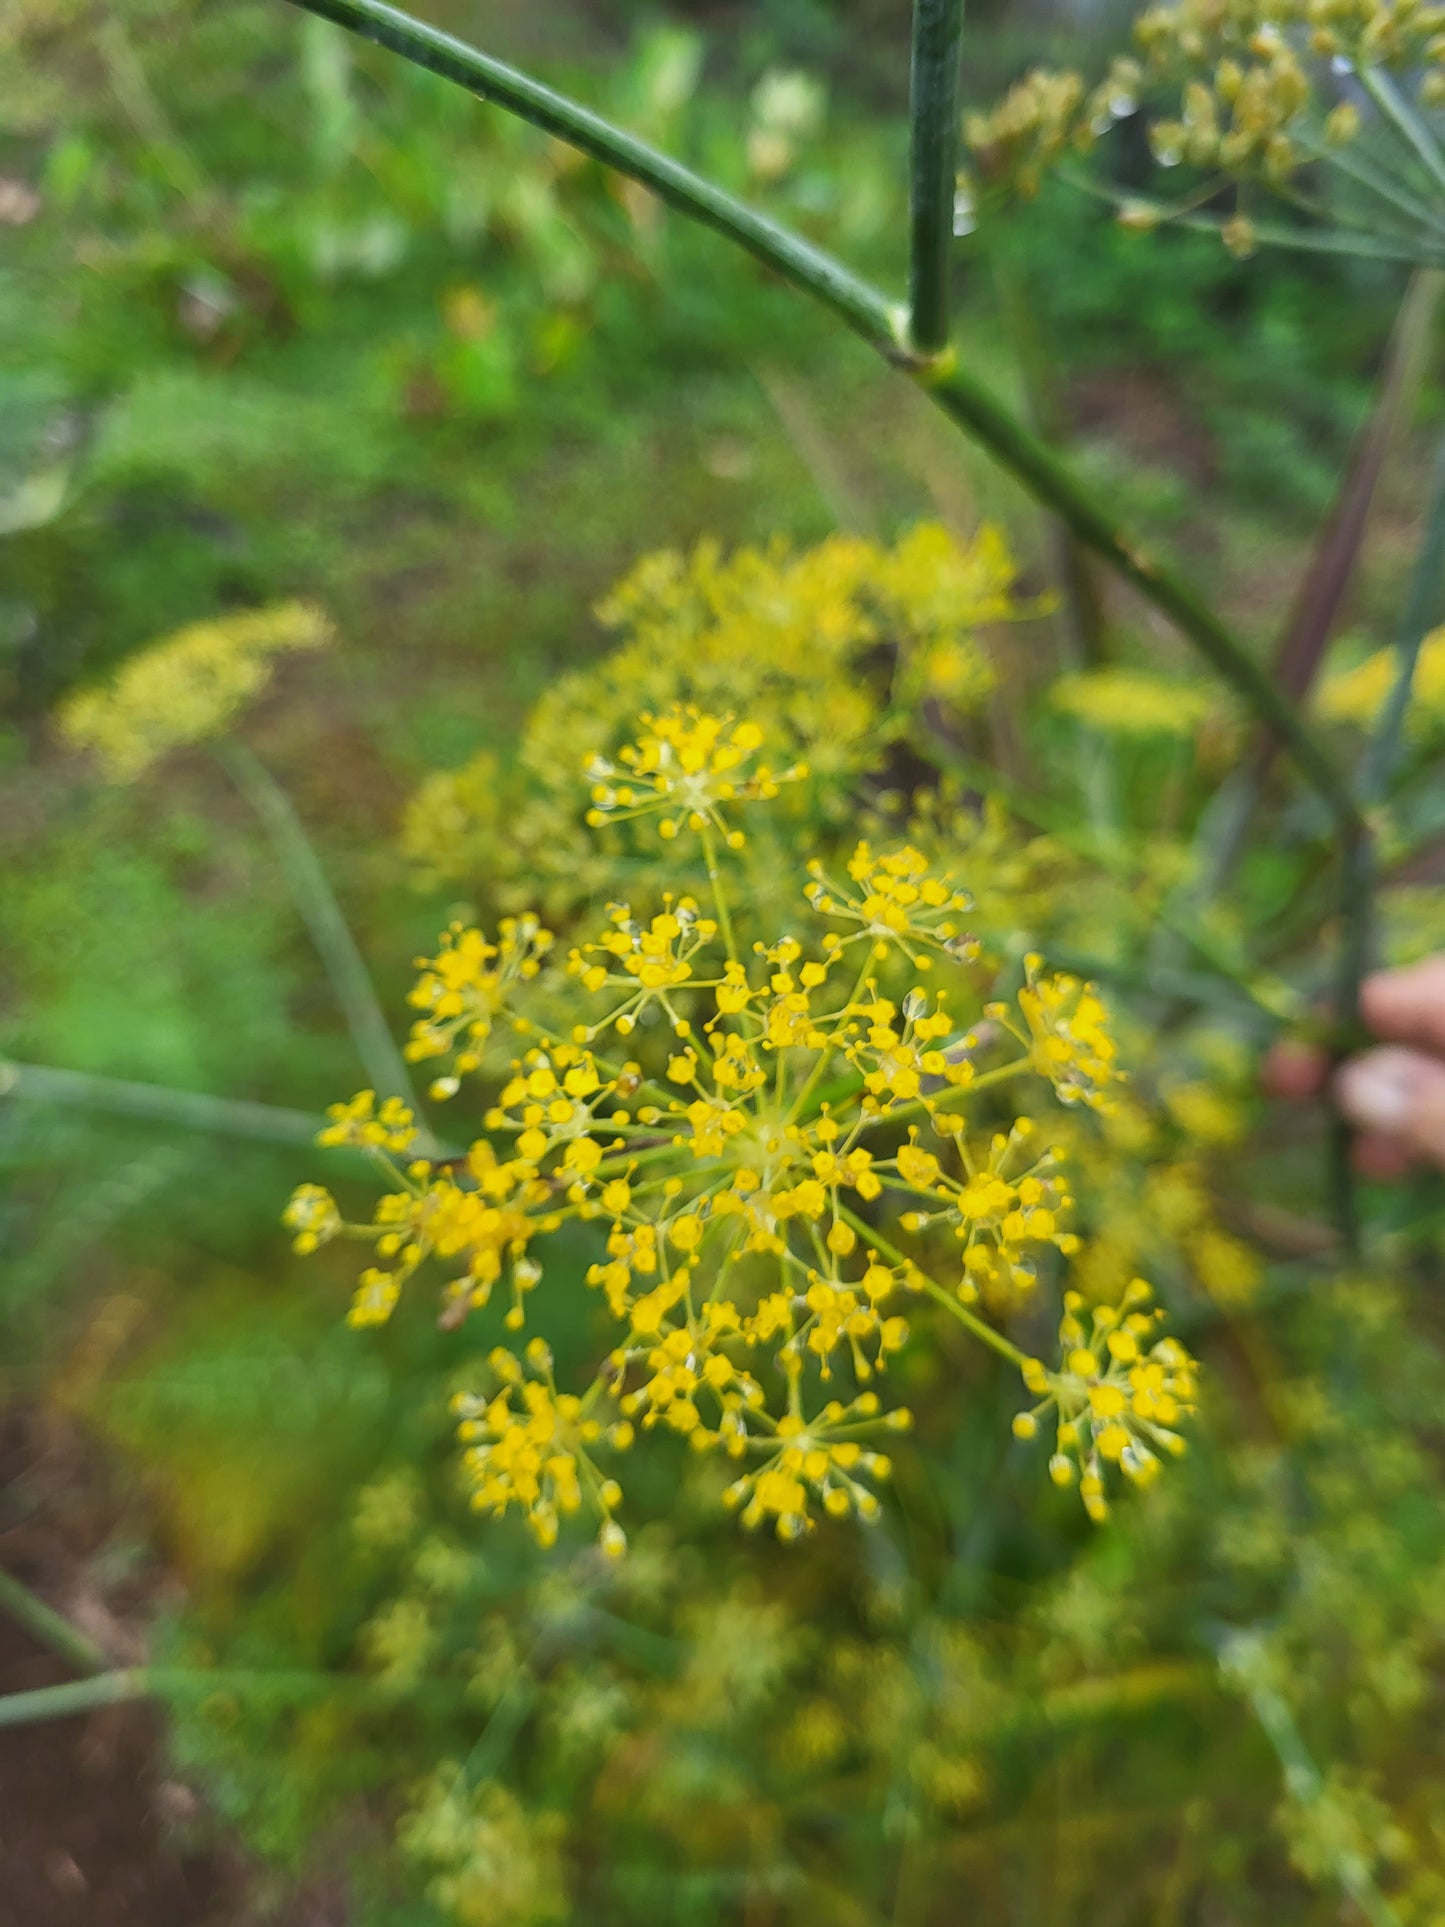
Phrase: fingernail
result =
(1376, 1092)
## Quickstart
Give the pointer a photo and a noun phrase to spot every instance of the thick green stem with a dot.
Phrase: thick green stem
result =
(1357, 880)
(314, 898)
(193, 1110)
(933, 164)
(492, 80)
(961, 395)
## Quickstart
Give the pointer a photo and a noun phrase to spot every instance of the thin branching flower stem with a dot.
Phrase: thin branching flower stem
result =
(191, 1110)
(995, 1340)
(1374, 245)
(75, 1696)
(1306, 1784)
(933, 167)
(961, 395)
(796, 259)
(322, 915)
(1376, 181)
(972, 1322)
(1403, 118)
(51, 1628)
(1357, 890)
(197, 1683)
(719, 897)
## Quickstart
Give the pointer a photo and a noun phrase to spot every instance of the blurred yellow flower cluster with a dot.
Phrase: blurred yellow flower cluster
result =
(829, 651)
(1358, 695)
(1388, 33)
(1130, 702)
(1042, 118)
(187, 686)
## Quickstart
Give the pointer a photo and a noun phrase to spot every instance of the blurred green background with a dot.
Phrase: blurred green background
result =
(281, 317)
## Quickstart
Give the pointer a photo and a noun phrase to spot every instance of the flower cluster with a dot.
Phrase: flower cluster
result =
(1254, 95)
(685, 765)
(1045, 116)
(187, 686)
(1130, 702)
(894, 903)
(801, 1155)
(829, 650)
(462, 989)
(1068, 1035)
(1117, 1396)
(533, 1454)
(1358, 695)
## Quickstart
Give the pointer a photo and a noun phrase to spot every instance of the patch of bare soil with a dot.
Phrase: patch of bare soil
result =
(93, 1830)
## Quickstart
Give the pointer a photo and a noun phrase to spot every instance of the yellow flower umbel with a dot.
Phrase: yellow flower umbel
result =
(1253, 93)
(187, 686)
(462, 989)
(1069, 1038)
(651, 959)
(533, 1454)
(1040, 118)
(815, 1461)
(768, 1184)
(1006, 1206)
(1118, 1394)
(895, 901)
(683, 767)
(360, 1124)
(313, 1215)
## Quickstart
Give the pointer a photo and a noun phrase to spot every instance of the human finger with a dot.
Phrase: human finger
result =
(1407, 1006)
(1397, 1094)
